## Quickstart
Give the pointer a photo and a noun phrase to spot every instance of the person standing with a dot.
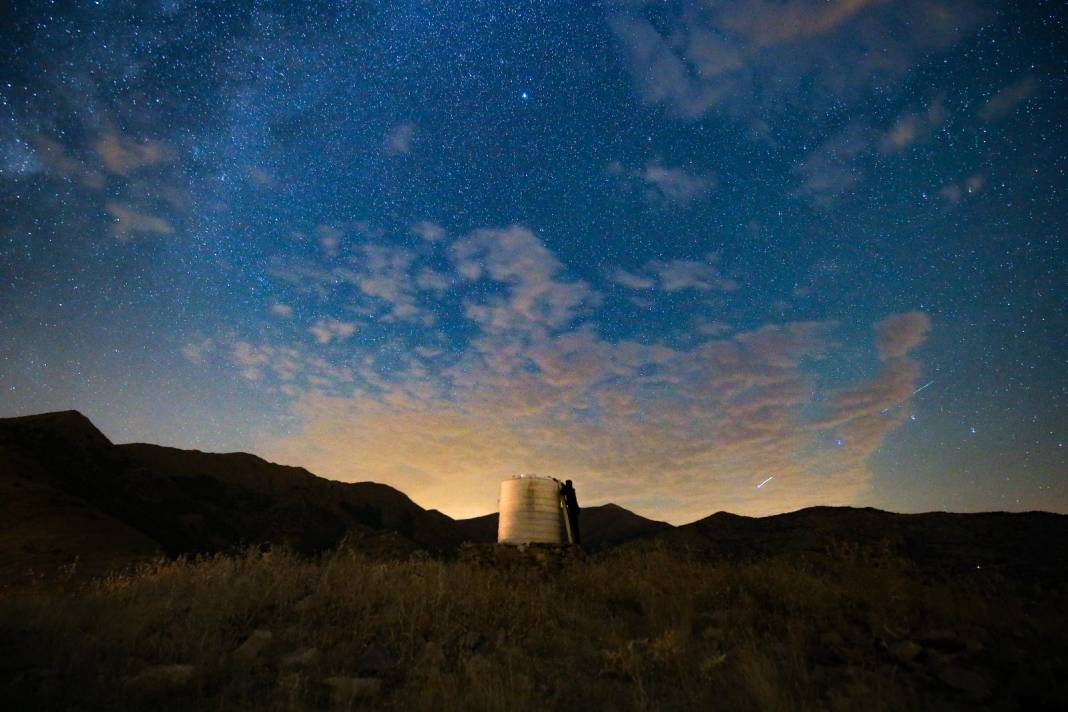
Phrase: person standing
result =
(571, 507)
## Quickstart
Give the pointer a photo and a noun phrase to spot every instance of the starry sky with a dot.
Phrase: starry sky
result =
(696, 256)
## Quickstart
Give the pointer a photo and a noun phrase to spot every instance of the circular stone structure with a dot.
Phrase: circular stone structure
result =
(530, 511)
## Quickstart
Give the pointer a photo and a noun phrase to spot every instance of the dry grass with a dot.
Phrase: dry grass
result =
(639, 628)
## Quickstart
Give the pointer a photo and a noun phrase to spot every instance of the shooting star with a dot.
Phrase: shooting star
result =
(765, 481)
(925, 385)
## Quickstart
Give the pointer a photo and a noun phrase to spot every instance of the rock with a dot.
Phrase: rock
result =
(248, 651)
(905, 651)
(377, 660)
(163, 678)
(302, 658)
(967, 681)
(345, 690)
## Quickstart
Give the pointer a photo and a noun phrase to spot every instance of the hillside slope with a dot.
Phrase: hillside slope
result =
(69, 494)
(1026, 545)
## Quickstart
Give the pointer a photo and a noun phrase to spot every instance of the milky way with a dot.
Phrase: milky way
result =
(662, 249)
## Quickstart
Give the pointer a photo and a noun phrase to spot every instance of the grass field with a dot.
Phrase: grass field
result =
(641, 627)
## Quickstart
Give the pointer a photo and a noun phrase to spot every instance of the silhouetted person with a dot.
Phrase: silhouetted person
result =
(567, 491)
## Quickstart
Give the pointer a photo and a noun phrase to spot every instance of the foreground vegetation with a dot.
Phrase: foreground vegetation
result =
(642, 627)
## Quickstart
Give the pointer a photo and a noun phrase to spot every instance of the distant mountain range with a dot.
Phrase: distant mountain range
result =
(68, 493)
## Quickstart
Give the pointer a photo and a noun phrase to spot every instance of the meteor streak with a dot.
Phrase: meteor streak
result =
(887, 410)
(765, 481)
(922, 387)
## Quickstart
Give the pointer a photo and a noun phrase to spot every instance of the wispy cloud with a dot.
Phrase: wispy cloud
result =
(56, 160)
(327, 330)
(127, 222)
(833, 168)
(123, 155)
(388, 274)
(677, 275)
(699, 426)
(429, 231)
(751, 58)
(632, 281)
(956, 192)
(899, 334)
(399, 139)
(539, 388)
(663, 184)
(538, 296)
(197, 351)
(329, 238)
(1007, 99)
(912, 127)
(675, 185)
(283, 310)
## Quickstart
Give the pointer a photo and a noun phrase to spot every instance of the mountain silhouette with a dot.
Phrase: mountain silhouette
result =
(68, 494)
(1025, 545)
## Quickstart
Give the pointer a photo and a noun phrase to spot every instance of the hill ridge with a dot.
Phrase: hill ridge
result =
(183, 501)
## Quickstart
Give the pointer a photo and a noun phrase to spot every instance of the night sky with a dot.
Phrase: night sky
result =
(747, 256)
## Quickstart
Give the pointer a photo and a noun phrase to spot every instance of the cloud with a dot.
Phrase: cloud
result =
(289, 369)
(389, 281)
(911, 128)
(956, 192)
(128, 222)
(697, 428)
(197, 351)
(328, 330)
(329, 239)
(123, 156)
(837, 166)
(631, 280)
(676, 275)
(431, 280)
(711, 327)
(283, 310)
(53, 156)
(674, 185)
(833, 168)
(898, 334)
(399, 139)
(1005, 101)
(665, 185)
(758, 58)
(386, 273)
(539, 296)
(675, 430)
(428, 231)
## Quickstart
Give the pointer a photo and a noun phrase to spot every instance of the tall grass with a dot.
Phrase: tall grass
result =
(640, 628)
